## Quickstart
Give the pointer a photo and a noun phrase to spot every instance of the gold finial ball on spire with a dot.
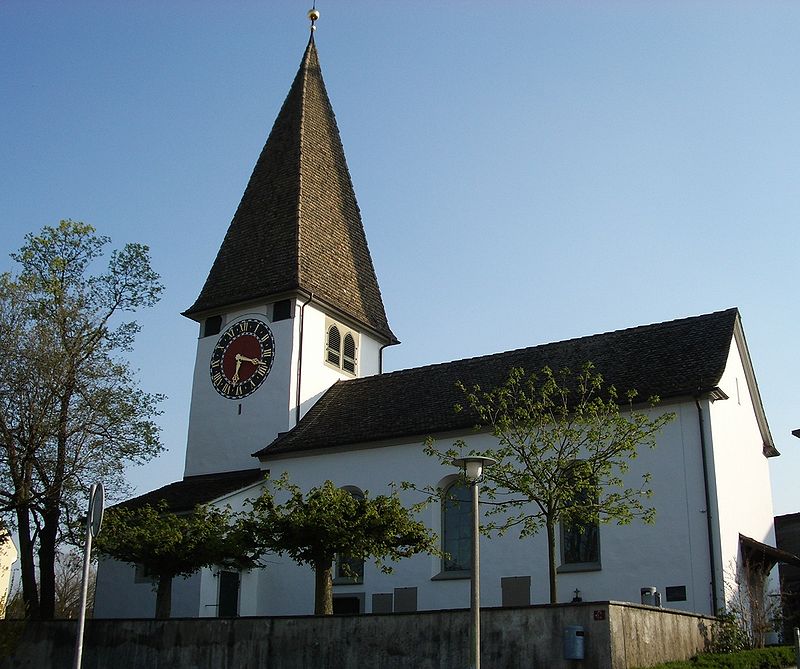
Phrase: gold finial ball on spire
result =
(313, 14)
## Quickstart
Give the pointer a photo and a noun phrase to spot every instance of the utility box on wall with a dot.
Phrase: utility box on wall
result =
(573, 642)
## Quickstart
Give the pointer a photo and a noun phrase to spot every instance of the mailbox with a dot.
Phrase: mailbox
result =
(573, 642)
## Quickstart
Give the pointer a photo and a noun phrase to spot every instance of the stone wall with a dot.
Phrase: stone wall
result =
(617, 636)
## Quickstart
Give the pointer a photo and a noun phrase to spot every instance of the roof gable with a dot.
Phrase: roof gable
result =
(675, 358)
(298, 226)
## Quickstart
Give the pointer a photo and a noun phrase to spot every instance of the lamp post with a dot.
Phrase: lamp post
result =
(473, 466)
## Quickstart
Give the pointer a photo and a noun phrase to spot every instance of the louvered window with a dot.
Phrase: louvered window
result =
(341, 347)
(334, 345)
(349, 354)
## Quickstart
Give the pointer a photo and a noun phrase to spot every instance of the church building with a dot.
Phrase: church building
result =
(289, 378)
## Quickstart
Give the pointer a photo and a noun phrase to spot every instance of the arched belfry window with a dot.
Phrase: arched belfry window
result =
(457, 527)
(334, 345)
(349, 354)
(341, 347)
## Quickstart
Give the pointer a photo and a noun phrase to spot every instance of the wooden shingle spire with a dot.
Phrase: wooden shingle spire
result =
(298, 226)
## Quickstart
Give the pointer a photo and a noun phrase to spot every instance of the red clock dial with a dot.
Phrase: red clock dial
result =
(242, 358)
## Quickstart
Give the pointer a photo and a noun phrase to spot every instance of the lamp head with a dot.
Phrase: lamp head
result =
(473, 466)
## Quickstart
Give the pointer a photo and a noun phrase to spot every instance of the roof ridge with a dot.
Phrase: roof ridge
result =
(561, 342)
(301, 131)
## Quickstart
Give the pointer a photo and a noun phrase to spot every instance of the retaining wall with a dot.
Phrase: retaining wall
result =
(617, 636)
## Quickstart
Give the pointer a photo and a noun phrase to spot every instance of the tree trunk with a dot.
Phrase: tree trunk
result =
(323, 588)
(47, 564)
(551, 560)
(30, 591)
(164, 597)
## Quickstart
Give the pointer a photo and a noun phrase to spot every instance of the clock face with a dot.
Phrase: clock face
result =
(242, 358)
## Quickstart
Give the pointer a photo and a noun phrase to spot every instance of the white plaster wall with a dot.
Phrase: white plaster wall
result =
(317, 375)
(743, 485)
(672, 552)
(119, 595)
(8, 555)
(223, 438)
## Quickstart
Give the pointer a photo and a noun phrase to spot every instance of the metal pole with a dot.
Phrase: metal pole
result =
(475, 590)
(87, 558)
(797, 646)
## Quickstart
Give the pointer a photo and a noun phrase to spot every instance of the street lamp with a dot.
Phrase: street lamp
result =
(473, 466)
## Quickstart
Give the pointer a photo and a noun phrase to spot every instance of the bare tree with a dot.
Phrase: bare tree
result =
(70, 409)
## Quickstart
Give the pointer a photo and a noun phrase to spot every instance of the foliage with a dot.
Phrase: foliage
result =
(316, 527)
(564, 446)
(70, 409)
(169, 544)
(752, 610)
(729, 635)
(776, 657)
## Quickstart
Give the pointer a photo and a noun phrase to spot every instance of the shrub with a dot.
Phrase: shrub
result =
(763, 658)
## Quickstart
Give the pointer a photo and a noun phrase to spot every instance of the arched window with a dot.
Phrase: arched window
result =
(349, 570)
(457, 527)
(341, 347)
(334, 345)
(349, 354)
(580, 537)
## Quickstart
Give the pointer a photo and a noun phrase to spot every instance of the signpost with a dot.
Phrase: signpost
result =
(94, 518)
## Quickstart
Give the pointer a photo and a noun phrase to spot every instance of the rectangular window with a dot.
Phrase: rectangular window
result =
(676, 593)
(281, 310)
(212, 326)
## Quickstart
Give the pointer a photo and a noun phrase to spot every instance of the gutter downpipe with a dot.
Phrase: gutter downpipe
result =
(380, 358)
(711, 553)
(300, 358)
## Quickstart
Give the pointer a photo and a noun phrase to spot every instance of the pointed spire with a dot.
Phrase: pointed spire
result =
(298, 226)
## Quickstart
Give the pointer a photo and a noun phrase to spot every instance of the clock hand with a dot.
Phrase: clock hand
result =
(235, 377)
(242, 358)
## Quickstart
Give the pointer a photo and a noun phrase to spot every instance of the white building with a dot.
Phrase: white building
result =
(288, 378)
(8, 556)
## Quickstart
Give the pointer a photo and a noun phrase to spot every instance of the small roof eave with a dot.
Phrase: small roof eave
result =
(769, 556)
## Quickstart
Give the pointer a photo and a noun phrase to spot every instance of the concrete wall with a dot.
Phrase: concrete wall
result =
(617, 636)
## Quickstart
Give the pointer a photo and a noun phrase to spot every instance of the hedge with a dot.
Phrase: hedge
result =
(776, 657)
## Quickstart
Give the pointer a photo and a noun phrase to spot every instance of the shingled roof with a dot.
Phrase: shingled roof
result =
(298, 226)
(193, 490)
(675, 358)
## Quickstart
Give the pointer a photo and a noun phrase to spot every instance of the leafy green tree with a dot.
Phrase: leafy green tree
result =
(71, 412)
(563, 447)
(329, 523)
(170, 545)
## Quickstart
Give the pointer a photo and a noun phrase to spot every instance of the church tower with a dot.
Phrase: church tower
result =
(292, 303)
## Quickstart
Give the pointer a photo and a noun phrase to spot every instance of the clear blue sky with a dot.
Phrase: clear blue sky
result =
(527, 171)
